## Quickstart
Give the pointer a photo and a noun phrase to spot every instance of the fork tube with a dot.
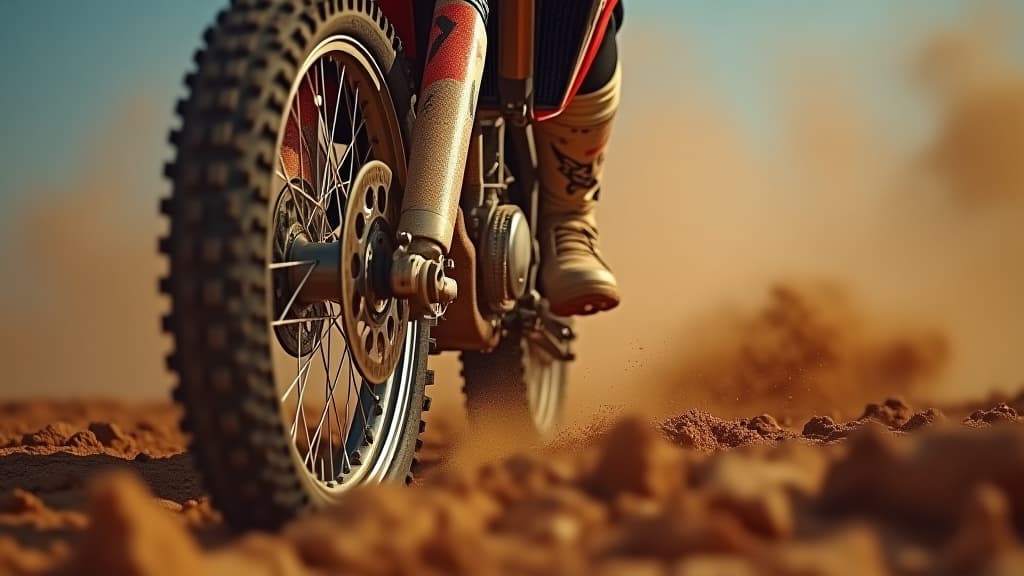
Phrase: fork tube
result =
(444, 124)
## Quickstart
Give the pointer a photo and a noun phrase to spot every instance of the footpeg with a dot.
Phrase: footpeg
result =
(552, 334)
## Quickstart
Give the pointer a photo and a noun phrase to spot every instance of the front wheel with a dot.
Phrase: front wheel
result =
(518, 386)
(299, 378)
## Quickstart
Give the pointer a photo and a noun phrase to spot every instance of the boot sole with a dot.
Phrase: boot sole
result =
(585, 305)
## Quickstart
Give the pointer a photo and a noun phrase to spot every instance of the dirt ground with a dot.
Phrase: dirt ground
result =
(93, 487)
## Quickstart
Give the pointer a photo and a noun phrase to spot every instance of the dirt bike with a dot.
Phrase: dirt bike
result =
(341, 209)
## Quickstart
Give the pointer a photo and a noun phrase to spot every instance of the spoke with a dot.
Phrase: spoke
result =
(317, 100)
(292, 321)
(337, 421)
(352, 124)
(327, 132)
(369, 152)
(317, 105)
(345, 428)
(348, 404)
(330, 176)
(330, 428)
(305, 367)
(327, 379)
(303, 152)
(287, 177)
(300, 207)
(323, 415)
(348, 394)
(348, 149)
(302, 131)
(303, 193)
(300, 381)
(299, 408)
(314, 448)
(359, 401)
(295, 295)
(334, 125)
(294, 264)
(284, 176)
(345, 464)
(294, 382)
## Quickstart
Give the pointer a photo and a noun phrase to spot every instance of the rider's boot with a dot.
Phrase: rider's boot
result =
(574, 276)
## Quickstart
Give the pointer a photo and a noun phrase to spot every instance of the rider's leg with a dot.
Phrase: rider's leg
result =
(571, 151)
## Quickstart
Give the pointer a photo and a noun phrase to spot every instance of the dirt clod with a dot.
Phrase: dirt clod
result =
(84, 441)
(892, 413)
(149, 541)
(700, 431)
(826, 429)
(55, 434)
(107, 433)
(22, 502)
(635, 460)
(1002, 413)
(929, 417)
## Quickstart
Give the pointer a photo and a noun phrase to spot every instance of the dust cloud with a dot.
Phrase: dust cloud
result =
(920, 236)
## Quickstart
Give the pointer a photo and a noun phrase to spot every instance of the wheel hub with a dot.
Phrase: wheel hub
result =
(378, 253)
(354, 271)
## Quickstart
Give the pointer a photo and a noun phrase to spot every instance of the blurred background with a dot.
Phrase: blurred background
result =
(809, 204)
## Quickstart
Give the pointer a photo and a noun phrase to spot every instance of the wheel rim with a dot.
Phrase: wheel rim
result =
(344, 429)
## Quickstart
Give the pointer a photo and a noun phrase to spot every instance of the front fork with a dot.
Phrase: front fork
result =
(440, 143)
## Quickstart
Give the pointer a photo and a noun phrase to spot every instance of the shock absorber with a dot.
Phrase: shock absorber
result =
(447, 106)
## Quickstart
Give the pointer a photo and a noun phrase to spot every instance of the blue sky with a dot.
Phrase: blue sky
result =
(68, 65)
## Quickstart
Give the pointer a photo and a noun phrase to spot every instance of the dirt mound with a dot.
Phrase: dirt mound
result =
(697, 430)
(694, 495)
(703, 432)
(50, 452)
(996, 414)
(111, 427)
(807, 346)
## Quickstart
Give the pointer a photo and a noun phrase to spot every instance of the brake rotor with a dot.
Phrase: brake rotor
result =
(374, 321)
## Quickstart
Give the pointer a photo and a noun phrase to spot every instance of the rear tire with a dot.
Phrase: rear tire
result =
(222, 215)
(517, 386)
